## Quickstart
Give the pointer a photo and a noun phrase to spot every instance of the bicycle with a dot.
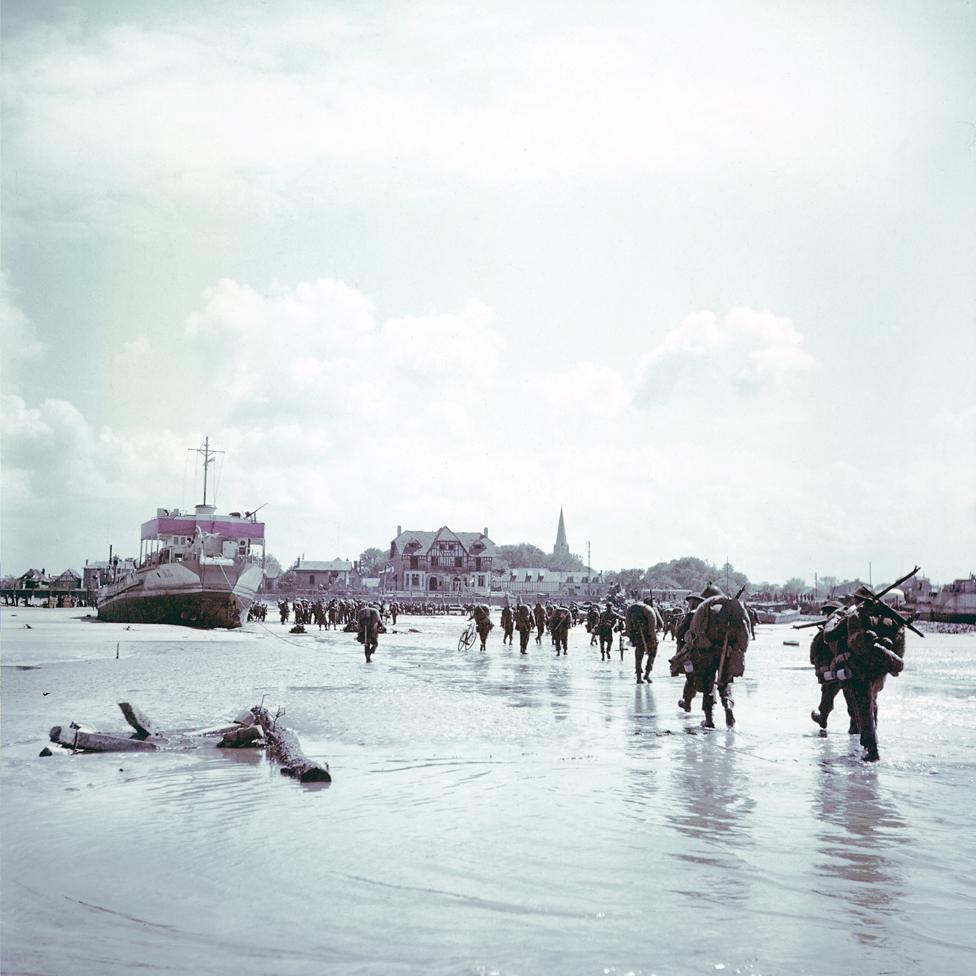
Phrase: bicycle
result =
(468, 636)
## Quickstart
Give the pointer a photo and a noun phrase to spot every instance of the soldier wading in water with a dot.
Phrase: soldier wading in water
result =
(713, 642)
(868, 643)
(642, 622)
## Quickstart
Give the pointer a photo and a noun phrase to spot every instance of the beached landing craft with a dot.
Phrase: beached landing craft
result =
(197, 569)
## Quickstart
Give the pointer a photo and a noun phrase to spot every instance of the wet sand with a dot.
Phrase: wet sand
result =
(489, 813)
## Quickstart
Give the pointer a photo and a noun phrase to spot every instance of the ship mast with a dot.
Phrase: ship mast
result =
(208, 458)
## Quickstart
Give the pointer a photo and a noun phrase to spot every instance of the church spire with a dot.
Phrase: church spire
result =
(561, 548)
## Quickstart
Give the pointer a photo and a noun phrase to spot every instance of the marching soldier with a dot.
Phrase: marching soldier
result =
(481, 613)
(524, 621)
(368, 630)
(642, 621)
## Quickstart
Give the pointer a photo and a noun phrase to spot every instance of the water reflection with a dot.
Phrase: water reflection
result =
(714, 792)
(858, 830)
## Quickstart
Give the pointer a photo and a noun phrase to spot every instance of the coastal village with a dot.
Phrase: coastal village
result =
(454, 569)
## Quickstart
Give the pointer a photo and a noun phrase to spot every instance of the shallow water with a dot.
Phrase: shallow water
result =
(489, 813)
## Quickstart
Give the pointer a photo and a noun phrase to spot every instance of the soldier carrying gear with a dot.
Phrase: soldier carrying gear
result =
(524, 622)
(508, 624)
(642, 621)
(868, 643)
(821, 657)
(559, 623)
(482, 620)
(368, 626)
(609, 622)
(592, 622)
(715, 643)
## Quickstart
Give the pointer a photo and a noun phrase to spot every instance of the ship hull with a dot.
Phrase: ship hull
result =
(174, 594)
(204, 610)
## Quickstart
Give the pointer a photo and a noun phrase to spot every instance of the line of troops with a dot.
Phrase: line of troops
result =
(858, 643)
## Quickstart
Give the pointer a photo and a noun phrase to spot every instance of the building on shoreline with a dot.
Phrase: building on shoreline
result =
(312, 574)
(442, 562)
(533, 581)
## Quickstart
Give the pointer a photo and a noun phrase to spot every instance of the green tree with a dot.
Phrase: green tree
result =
(520, 555)
(372, 561)
(795, 585)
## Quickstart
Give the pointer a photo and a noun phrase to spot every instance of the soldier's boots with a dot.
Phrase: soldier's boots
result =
(729, 718)
(708, 722)
(683, 703)
(819, 718)
(647, 677)
(640, 680)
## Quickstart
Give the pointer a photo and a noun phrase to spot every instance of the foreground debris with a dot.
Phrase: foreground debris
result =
(253, 728)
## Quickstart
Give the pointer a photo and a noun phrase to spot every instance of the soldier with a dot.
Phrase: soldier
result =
(394, 611)
(540, 620)
(868, 640)
(605, 628)
(821, 657)
(524, 622)
(559, 622)
(482, 619)
(283, 610)
(508, 624)
(681, 662)
(368, 630)
(642, 623)
(715, 641)
(593, 622)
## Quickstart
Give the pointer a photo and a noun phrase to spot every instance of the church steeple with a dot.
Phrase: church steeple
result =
(561, 548)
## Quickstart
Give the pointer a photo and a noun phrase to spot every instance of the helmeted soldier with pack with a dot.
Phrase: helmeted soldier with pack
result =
(821, 657)
(560, 620)
(524, 622)
(715, 643)
(481, 613)
(368, 626)
(868, 643)
(642, 622)
(593, 622)
(508, 624)
(609, 622)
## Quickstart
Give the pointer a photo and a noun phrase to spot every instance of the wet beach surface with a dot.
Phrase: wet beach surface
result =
(489, 813)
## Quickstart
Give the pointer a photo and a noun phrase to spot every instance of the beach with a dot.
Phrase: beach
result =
(489, 813)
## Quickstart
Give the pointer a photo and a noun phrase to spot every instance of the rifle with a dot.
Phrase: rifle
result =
(876, 598)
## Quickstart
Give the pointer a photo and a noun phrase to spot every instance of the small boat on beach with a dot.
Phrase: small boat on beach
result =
(197, 569)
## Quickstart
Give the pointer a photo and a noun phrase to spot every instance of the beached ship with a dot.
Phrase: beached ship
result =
(197, 569)
(953, 603)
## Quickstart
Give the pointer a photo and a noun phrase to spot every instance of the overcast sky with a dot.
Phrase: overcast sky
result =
(701, 273)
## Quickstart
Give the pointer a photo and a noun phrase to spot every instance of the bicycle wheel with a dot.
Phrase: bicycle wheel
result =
(467, 638)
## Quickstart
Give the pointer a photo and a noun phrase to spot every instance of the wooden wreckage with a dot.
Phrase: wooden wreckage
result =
(254, 728)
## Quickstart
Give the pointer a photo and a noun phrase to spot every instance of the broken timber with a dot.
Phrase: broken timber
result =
(284, 748)
(255, 728)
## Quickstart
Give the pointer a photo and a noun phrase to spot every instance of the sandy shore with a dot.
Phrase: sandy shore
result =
(489, 814)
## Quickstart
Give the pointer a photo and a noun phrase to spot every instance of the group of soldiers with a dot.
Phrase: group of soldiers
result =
(858, 643)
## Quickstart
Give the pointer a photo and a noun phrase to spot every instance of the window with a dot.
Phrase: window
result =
(414, 562)
(481, 581)
(434, 562)
(311, 579)
(457, 560)
(416, 579)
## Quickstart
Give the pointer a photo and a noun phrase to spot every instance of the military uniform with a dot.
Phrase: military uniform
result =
(642, 623)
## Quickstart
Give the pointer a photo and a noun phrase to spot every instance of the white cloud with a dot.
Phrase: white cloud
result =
(19, 342)
(347, 424)
(743, 351)
(138, 111)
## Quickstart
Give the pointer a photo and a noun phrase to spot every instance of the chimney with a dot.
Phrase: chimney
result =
(485, 533)
(399, 530)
